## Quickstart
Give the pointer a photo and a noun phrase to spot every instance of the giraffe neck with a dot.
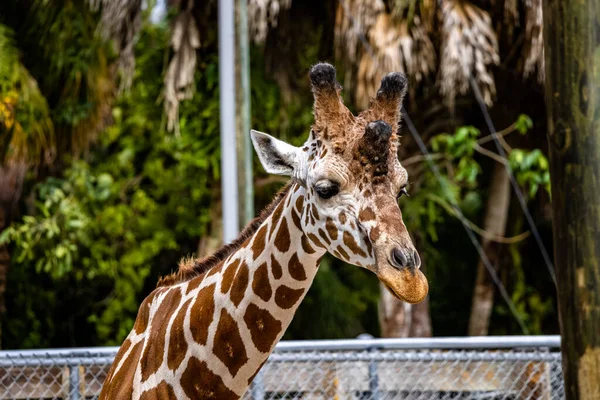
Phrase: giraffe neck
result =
(220, 327)
(258, 291)
(206, 338)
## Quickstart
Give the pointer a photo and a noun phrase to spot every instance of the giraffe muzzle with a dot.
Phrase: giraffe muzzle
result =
(400, 273)
(405, 258)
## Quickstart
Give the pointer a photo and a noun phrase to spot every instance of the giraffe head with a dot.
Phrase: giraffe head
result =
(352, 179)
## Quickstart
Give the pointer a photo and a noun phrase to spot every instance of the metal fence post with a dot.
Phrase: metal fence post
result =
(74, 382)
(373, 375)
(257, 388)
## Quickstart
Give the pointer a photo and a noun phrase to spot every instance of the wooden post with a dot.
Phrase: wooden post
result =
(572, 51)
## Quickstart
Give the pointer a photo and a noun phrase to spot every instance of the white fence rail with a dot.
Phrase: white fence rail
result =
(515, 367)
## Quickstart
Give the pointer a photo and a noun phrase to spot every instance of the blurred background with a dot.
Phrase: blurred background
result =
(110, 157)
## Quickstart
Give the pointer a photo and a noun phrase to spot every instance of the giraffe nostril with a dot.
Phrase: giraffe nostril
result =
(417, 259)
(399, 259)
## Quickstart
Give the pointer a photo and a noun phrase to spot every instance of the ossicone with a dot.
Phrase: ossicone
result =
(388, 101)
(329, 108)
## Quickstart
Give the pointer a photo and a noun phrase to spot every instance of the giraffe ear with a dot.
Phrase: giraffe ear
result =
(276, 156)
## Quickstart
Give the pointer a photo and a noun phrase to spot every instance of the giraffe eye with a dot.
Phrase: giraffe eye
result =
(327, 190)
(403, 192)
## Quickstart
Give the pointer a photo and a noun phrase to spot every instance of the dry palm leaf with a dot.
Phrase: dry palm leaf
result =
(533, 53)
(395, 47)
(469, 47)
(511, 17)
(262, 15)
(353, 19)
(121, 21)
(179, 80)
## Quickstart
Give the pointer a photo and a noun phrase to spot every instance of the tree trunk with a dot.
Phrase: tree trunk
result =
(398, 319)
(495, 223)
(394, 315)
(572, 51)
(11, 185)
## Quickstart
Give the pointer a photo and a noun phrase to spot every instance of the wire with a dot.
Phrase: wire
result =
(513, 181)
(436, 171)
(463, 220)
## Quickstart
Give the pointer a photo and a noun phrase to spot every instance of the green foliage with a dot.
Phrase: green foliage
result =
(523, 124)
(92, 241)
(26, 130)
(343, 299)
(531, 169)
(111, 225)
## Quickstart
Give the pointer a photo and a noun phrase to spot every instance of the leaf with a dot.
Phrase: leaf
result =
(523, 124)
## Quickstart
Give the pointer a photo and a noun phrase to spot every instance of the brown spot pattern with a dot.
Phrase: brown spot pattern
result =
(202, 313)
(306, 245)
(331, 228)
(276, 268)
(153, 353)
(342, 218)
(228, 276)
(300, 204)
(141, 322)
(195, 283)
(286, 297)
(296, 220)
(122, 351)
(369, 247)
(260, 283)
(282, 238)
(366, 214)
(199, 382)
(375, 234)
(163, 391)
(229, 346)
(352, 245)
(240, 283)
(315, 240)
(315, 213)
(258, 245)
(264, 328)
(214, 270)
(296, 268)
(343, 253)
(324, 236)
(275, 218)
(121, 384)
(177, 343)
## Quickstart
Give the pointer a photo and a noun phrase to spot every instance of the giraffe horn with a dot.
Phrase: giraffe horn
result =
(374, 146)
(386, 105)
(328, 107)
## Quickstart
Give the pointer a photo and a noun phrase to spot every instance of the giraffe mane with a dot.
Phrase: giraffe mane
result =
(191, 267)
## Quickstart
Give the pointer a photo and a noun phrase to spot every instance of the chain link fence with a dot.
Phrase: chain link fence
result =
(516, 367)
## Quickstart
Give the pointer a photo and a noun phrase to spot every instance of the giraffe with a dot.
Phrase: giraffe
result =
(207, 329)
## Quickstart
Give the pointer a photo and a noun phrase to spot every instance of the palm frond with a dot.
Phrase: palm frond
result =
(395, 47)
(77, 74)
(121, 21)
(26, 130)
(262, 16)
(353, 19)
(469, 47)
(179, 79)
(533, 52)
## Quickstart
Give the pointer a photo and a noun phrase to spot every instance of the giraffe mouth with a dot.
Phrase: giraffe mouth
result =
(409, 285)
